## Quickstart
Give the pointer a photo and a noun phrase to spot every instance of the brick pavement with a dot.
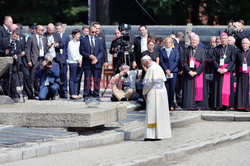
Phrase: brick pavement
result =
(136, 151)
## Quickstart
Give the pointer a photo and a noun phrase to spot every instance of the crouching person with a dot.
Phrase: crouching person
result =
(48, 73)
(123, 88)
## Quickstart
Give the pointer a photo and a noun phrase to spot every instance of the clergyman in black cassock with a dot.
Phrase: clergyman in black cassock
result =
(242, 67)
(224, 55)
(195, 88)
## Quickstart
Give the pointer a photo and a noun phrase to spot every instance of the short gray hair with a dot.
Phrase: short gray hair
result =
(48, 56)
(123, 65)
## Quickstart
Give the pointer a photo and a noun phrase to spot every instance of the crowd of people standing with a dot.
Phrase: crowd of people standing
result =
(197, 77)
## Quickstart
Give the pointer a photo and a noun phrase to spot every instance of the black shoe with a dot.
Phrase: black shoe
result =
(124, 99)
(32, 98)
(16, 100)
(63, 96)
(113, 99)
(151, 139)
(53, 98)
(85, 99)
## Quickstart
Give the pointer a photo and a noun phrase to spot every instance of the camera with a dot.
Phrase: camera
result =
(124, 45)
(125, 75)
(49, 63)
(12, 48)
(125, 29)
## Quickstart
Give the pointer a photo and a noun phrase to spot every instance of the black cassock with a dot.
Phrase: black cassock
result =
(218, 53)
(242, 89)
(189, 91)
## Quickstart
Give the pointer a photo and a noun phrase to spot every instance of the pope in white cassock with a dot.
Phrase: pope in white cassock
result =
(157, 122)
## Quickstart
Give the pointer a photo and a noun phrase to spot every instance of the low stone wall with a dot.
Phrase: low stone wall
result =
(5, 62)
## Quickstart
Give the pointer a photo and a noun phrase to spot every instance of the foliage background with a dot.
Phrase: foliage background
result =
(165, 12)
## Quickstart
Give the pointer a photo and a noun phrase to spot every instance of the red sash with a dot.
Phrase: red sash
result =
(225, 87)
(198, 83)
(248, 71)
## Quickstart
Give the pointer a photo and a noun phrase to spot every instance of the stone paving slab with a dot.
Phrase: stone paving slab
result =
(130, 128)
(185, 141)
(61, 113)
(11, 143)
(25, 137)
(127, 129)
(45, 132)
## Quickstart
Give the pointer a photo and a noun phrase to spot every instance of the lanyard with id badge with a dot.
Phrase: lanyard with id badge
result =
(222, 59)
(244, 65)
(46, 82)
(191, 63)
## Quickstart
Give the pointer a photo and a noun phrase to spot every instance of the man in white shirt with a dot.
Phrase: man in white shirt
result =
(140, 45)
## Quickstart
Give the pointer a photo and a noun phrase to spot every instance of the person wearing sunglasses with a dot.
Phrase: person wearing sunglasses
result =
(91, 50)
(36, 50)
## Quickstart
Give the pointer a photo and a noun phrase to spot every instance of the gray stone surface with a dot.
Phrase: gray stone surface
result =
(6, 100)
(198, 136)
(242, 117)
(67, 115)
(215, 117)
(5, 62)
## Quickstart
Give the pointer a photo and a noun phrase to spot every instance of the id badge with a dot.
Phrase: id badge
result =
(46, 82)
(222, 61)
(191, 64)
(244, 67)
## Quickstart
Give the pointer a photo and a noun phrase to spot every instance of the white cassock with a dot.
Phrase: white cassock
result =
(157, 123)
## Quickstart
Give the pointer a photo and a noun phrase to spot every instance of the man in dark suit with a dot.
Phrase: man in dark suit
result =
(4, 29)
(180, 48)
(85, 32)
(11, 47)
(101, 36)
(36, 48)
(140, 45)
(24, 68)
(64, 56)
(92, 51)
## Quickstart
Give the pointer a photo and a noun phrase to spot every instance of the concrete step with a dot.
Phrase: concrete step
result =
(185, 141)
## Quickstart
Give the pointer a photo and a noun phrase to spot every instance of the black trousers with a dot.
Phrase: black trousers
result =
(33, 78)
(26, 80)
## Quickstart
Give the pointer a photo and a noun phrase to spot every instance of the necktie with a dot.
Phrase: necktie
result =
(40, 43)
(92, 46)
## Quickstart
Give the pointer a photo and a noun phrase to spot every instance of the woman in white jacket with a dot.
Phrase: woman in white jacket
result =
(75, 63)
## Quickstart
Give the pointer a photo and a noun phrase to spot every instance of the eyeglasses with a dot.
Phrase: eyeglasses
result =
(41, 29)
(93, 31)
